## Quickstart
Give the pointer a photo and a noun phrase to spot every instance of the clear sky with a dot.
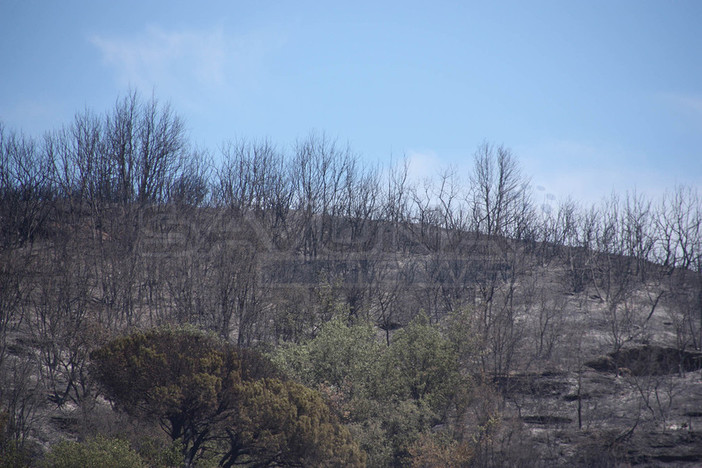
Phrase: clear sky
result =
(590, 95)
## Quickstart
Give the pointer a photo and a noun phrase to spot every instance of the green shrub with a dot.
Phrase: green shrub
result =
(102, 452)
(388, 396)
(159, 454)
(216, 399)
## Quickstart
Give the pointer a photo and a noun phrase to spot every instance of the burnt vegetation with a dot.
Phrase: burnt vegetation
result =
(267, 306)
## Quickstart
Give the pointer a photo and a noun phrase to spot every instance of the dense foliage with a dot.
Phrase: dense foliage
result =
(100, 452)
(214, 397)
(392, 397)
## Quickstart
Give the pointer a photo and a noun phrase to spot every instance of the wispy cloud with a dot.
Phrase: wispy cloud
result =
(157, 55)
(190, 65)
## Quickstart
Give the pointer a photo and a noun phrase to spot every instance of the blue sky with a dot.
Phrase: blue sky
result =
(590, 95)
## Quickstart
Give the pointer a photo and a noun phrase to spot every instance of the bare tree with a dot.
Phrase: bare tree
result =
(498, 186)
(254, 179)
(191, 187)
(317, 173)
(64, 326)
(21, 398)
(145, 142)
(500, 200)
(395, 206)
(679, 250)
(26, 189)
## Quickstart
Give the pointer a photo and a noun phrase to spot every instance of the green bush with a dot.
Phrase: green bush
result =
(215, 399)
(387, 395)
(102, 452)
(160, 454)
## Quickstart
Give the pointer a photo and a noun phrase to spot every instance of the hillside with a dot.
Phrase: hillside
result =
(452, 322)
